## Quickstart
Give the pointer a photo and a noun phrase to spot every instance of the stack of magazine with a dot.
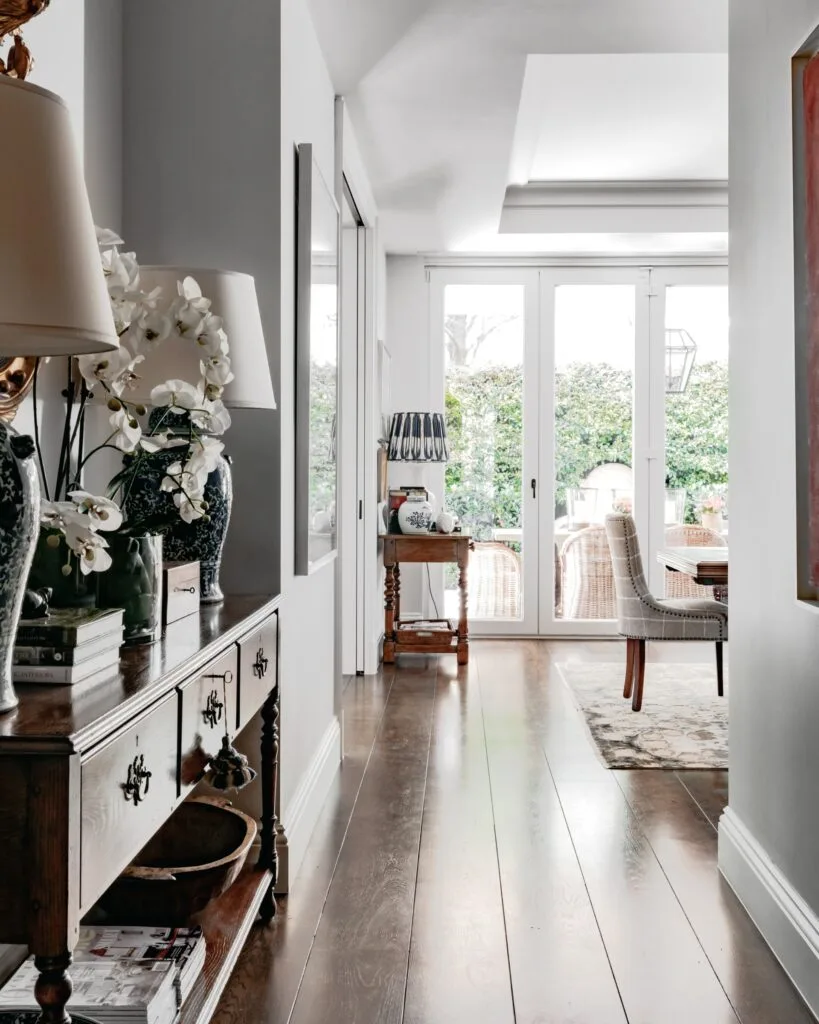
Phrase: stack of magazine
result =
(69, 645)
(122, 975)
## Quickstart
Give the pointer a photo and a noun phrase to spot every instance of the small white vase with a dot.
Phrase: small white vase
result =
(415, 515)
(445, 523)
(713, 521)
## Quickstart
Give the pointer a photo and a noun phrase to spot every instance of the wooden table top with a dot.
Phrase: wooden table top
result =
(710, 563)
(50, 716)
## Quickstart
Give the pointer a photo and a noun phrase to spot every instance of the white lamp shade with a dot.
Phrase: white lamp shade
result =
(233, 298)
(53, 297)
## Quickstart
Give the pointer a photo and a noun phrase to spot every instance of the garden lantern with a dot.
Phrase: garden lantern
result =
(680, 352)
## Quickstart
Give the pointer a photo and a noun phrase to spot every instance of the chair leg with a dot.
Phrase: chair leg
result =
(630, 648)
(719, 668)
(640, 673)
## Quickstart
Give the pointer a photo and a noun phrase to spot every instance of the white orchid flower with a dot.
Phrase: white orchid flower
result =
(106, 238)
(127, 430)
(211, 416)
(153, 443)
(190, 308)
(149, 327)
(102, 513)
(89, 548)
(176, 394)
(106, 367)
(57, 515)
(216, 370)
(204, 457)
(190, 507)
(212, 338)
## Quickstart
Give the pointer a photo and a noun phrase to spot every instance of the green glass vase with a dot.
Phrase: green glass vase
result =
(67, 591)
(134, 583)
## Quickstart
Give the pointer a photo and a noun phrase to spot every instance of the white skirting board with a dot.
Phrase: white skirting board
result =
(300, 817)
(787, 923)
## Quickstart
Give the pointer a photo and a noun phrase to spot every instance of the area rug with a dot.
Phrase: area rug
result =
(683, 723)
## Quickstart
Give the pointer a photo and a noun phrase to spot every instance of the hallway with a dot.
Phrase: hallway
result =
(475, 862)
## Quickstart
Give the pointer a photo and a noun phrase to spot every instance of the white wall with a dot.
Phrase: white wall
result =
(308, 616)
(408, 339)
(209, 180)
(769, 838)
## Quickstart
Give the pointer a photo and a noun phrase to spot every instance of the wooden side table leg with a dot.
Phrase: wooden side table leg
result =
(389, 616)
(463, 622)
(397, 598)
(53, 988)
(268, 855)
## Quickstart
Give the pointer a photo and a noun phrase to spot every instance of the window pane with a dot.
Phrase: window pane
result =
(696, 425)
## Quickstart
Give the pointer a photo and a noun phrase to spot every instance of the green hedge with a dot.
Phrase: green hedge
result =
(593, 426)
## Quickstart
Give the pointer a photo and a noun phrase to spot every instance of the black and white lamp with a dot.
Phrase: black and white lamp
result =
(417, 437)
(53, 302)
(233, 298)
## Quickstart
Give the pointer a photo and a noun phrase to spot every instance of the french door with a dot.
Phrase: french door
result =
(560, 386)
(485, 324)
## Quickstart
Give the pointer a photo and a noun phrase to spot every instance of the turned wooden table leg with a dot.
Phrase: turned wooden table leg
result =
(53, 988)
(397, 597)
(463, 622)
(389, 616)
(268, 855)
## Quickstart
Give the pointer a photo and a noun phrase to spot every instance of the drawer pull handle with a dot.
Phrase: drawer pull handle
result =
(213, 709)
(138, 782)
(260, 664)
(184, 590)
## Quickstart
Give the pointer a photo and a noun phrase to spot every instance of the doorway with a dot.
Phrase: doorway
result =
(570, 393)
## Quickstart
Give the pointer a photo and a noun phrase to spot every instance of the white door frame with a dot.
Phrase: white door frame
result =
(528, 279)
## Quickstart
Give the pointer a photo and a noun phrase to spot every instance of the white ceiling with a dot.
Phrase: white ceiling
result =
(622, 117)
(434, 89)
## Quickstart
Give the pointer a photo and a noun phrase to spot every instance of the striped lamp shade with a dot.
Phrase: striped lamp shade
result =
(418, 437)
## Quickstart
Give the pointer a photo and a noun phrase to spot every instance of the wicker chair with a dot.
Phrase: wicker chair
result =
(679, 584)
(588, 576)
(494, 582)
(641, 617)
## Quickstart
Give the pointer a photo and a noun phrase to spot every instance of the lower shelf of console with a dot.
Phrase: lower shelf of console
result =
(226, 923)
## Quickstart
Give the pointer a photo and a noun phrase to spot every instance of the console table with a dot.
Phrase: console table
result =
(69, 823)
(425, 547)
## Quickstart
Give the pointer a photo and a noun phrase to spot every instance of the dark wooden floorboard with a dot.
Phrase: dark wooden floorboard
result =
(560, 971)
(709, 790)
(357, 968)
(458, 969)
(685, 844)
(477, 862)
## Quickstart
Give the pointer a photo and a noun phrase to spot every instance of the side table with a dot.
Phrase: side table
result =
(430, 547)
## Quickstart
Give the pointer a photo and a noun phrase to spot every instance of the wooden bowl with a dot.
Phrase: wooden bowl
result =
(193, 858)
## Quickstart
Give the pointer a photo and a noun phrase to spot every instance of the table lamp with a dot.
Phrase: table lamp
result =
(53, 302)
(417, 437)
(233, 298)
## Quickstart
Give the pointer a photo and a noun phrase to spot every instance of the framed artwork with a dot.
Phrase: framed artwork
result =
(317, 341)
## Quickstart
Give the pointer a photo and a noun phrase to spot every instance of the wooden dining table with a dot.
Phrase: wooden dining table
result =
(706, 566)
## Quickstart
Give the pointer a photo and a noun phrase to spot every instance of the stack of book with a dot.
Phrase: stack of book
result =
(108, 991)
(122, 975)
(183, 947)
(69, 645)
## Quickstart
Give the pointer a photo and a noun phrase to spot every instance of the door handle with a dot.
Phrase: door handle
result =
(534, 488)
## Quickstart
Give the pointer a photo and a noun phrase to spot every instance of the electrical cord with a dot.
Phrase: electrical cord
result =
(432, 596)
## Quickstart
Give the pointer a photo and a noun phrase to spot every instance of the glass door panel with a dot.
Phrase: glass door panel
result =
(594, 373)
(695, 502)
(488, 324)
(484, 327)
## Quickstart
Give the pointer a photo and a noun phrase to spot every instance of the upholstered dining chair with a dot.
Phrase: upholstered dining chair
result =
(642, 617)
